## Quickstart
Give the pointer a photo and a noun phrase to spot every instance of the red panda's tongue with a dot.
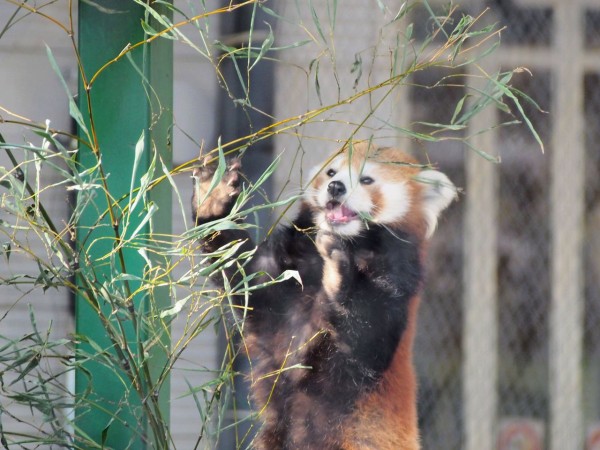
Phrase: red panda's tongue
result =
(337, 213)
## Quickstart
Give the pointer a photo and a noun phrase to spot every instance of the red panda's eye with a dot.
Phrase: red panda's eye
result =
(366, 180)
(331, 172)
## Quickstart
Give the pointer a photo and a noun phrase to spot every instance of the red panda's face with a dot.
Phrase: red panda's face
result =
(380, 186)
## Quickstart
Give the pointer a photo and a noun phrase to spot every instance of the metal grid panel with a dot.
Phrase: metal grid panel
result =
(523, 257)
(438, 346)
(592, 28)
(591, 352)
(525, 25)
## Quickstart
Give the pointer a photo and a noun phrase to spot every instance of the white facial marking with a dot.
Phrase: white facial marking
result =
(375, 192)
(368, 196)
(396, 203)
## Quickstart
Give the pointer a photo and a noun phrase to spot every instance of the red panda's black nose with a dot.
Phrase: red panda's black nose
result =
(336, 189)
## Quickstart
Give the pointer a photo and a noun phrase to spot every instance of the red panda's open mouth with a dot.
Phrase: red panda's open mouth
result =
(338, 213)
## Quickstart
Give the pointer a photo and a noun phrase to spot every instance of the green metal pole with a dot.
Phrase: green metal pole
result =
(131, 97)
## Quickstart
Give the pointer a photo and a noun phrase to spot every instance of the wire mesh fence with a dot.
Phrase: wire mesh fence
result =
(523, 268)
(523, 260)
(366, 49)
(524, 240)
(591, 355)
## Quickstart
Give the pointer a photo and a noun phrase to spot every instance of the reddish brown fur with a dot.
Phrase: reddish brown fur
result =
(392, 406)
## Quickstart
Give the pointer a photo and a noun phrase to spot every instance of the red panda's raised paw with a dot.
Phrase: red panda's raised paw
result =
(331, 245)
(215, 202)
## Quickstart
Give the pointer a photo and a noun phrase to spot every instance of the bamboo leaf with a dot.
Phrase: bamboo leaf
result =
(402, 11)
(458, 108)
(219, 173)
(266, 46)
(443, 126)
(508, 92)
(73, 108)
(482, 153)
(139, 150)
(151, 211)
(7, 249)
(317, 21)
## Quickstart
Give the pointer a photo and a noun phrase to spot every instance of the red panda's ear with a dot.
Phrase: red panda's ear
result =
(438, 193)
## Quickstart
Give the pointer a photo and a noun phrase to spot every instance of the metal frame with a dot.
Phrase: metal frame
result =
(122, 110)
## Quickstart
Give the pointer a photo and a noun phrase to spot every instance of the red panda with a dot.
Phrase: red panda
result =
(332, 356)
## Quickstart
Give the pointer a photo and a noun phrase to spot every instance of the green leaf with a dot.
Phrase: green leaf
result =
(286, 275)
(315, 63)
(148, 29)
(273, 205)
(151, 211)
(265, 47)
(7, 249)
(506, 90)
(73, 108)
(414, 134)
(139, 150)
(404, 9)
(266, 174)
(290, 46)
(333, 15)
(527, 98)
(34, 362)
(458, 108)
(175, 189)
(162, 20)
(218, 175)
(176, 308)
(443, 126)
(316, 21)
(483, 154)
(357, 69)
(104, 435)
